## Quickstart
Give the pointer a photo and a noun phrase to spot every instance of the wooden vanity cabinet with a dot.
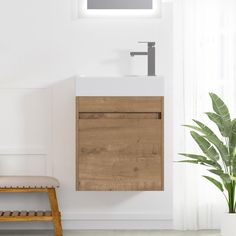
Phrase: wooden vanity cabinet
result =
(119, 142)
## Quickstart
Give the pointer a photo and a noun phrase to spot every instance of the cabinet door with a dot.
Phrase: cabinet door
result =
(119, 149)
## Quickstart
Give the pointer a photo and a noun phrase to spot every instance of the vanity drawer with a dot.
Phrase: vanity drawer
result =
(119, 148)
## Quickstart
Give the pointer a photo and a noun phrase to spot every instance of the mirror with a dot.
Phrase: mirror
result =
(116, 8)
(119, 4)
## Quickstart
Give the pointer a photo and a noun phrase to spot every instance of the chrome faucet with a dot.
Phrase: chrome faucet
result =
(150, 57)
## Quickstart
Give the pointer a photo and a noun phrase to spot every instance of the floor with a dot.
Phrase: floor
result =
(114, 233)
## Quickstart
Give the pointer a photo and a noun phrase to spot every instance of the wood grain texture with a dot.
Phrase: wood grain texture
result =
(119, 104)
(24, 216)
(29, 216)
(121, 148)
(55, 212)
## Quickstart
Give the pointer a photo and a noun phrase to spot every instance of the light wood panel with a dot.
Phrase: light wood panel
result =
(119, 104)
(121, 150)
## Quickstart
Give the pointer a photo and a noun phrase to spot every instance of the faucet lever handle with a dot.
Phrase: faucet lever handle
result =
(150, 44)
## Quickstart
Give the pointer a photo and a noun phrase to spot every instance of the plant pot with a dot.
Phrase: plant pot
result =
(228, 224)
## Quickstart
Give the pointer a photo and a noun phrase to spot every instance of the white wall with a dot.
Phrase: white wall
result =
(40, 44)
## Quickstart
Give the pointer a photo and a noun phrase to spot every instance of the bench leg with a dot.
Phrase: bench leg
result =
(55, 212)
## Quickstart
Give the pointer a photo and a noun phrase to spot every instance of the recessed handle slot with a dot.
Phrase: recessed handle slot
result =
(120, 115)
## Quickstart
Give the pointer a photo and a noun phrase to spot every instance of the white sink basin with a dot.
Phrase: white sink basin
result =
(120, 86)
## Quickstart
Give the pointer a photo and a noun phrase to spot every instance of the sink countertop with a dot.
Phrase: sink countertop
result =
(119, 86)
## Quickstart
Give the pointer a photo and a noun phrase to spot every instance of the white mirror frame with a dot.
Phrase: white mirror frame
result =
(82, 11)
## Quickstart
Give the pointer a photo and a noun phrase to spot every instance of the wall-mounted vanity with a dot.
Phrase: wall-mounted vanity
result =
(119, 133)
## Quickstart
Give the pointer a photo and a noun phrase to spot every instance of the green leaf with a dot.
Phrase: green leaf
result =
(198, 157)
(233, 164)
(202, 160)
(213, 163)
(232, 147)
(232, 139)
(219, 107)
(225, 177)
(193, 127)
(217, 120)
(212, 138)
(204, 129)
(233, 178)
(222, 110)
(215, 182)
(205, 146)
(189, 161)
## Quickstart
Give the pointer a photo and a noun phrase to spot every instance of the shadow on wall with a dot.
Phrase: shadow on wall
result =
(105, 199)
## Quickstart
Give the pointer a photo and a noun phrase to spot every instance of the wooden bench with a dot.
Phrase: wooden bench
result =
(29, 184)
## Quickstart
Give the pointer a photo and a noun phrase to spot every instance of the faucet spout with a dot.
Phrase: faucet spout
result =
(132, 54)
(150, 57)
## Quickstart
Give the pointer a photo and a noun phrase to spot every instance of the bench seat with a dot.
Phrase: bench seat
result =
(28, 182)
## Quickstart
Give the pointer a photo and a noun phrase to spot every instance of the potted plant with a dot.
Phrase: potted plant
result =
(219, 157)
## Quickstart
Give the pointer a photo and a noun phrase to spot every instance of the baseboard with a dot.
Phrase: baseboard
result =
(118, 225)
(117, 221)
(116, 216)
(103, 221)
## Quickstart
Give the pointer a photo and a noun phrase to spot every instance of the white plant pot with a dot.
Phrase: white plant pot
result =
(228, 225)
